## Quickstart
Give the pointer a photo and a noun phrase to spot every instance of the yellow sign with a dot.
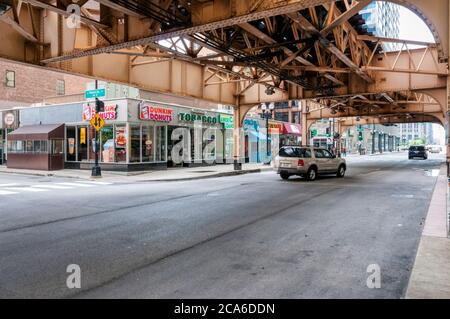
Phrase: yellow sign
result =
(82, 135)
(97, 122)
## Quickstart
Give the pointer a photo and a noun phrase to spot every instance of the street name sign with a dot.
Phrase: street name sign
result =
(92, 94)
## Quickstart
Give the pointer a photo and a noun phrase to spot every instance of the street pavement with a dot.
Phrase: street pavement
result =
(246, 236)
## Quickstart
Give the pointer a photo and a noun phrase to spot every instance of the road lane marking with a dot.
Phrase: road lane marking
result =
(7, 185)
(7, 193)
(26, 189)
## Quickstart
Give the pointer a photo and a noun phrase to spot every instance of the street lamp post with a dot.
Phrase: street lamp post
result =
(267, 114)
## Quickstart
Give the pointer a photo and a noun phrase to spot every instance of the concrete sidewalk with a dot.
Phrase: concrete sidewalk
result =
(430, 277)
(171, 174)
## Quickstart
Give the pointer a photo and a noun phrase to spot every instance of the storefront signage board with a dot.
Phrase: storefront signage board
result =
(10, 119)
(275, 128)
(187, 117)
(155, 113)
(227, 121)
(110, 112)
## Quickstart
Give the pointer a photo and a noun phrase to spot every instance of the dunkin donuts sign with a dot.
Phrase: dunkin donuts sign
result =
(155, 113)
(110, 112)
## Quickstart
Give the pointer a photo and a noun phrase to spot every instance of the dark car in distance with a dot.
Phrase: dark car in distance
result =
(417, 152)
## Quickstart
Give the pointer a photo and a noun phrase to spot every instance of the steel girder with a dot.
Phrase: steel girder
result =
(259, 47)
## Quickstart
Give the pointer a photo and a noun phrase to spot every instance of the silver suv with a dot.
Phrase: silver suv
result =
(308, 162)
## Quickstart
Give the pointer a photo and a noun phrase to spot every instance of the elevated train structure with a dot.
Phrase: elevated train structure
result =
(242, 53)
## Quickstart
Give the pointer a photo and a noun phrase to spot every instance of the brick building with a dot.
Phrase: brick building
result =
(23, 85)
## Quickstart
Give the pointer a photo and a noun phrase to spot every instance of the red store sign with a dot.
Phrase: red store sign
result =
(110, 112)
(155, 113)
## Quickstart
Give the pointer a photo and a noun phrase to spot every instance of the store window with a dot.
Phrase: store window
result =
(57, 147)
(135, 143)
(29, 147)
(282, 116)
(147, 143)
(107, 144)
(10, 79)
(37, 147)
(71, 154)
(121, 143)
(82, 146)
(91, 135)
(161, 143)
(60, 87)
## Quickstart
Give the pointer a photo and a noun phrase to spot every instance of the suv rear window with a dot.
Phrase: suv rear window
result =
(295, 152)
(417, 148)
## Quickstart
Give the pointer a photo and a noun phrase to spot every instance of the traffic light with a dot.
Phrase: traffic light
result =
(360, 136)
(99, 106)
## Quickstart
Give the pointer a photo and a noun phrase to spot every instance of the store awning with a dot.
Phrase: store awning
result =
(292, 129)
(37, 132)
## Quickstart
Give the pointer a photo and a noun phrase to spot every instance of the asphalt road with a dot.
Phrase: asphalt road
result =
(248, 236)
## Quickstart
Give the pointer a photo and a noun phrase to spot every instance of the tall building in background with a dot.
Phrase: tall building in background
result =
(383, 20)
(414, 132)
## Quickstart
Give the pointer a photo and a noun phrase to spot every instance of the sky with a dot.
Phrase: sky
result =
(413, 28)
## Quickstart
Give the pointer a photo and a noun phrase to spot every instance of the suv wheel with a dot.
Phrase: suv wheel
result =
(341, 171)
(284, 176)
(311, 174)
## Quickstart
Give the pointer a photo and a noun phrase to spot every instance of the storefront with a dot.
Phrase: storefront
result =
(137, 135)
(253, 139)
(38, 147)
(291, 134)
(208, 133)
(141, 135)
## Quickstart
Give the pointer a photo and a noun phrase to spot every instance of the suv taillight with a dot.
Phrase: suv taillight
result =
(301, 163)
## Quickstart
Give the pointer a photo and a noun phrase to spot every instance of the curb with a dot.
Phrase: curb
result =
(223, 174)
(42, 174)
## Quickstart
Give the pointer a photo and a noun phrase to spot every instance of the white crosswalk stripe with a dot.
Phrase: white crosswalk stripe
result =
(75, 184)
(94, 182)
(26, 189)
(51, 186)
(7, 192)
(15, 188)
